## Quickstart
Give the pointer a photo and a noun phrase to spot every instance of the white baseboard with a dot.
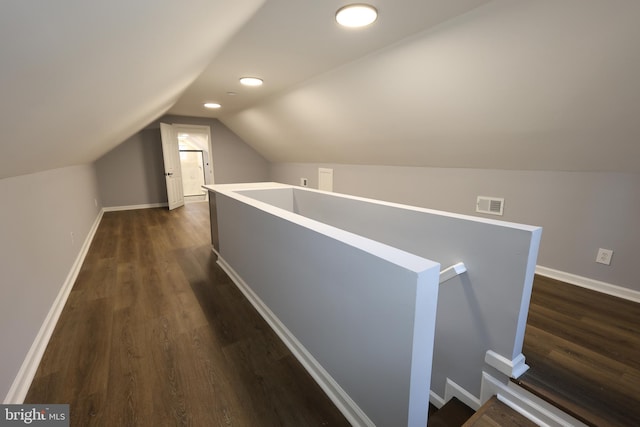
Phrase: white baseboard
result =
(528, 405)
(22, 382)
(511, 368)
(451, 389)
(338, 396)
(133, 207)
(436, 400)
(585, 282)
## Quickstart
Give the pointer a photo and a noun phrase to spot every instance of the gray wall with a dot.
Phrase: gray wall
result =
(132, 173)
(36, 252)
(579, 211)
(233, 160)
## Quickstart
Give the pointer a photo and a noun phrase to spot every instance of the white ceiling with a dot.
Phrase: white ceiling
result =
(289, 41)
(507, 84)
(77, 78)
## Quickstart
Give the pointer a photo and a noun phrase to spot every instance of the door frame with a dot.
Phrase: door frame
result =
(186, 128)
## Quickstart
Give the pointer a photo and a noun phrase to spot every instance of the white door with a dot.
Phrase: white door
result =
(172, 170)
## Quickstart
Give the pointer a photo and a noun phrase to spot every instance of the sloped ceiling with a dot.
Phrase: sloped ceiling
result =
(531, 85)
(77, 78)
(506, 84)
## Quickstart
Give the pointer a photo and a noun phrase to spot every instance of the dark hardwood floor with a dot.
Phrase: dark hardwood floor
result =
(495, 413)
(154, 333)
(583, 348)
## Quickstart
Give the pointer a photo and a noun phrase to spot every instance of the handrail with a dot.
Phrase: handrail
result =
(453, 271)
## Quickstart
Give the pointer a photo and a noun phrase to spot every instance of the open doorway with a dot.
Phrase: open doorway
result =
(187, 138)
(194, 143)
(192, 165)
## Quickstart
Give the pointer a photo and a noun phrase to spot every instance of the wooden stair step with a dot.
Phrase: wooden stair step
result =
(454, 413)
(584, 400)
(495, 413)
(583, 350)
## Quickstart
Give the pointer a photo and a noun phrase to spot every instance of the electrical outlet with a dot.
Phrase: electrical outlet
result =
(73, 238)
(604, 256)
(304, 182)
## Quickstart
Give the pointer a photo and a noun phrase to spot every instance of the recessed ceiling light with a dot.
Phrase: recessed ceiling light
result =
(251, 81)
(356, 15)
(212, 105)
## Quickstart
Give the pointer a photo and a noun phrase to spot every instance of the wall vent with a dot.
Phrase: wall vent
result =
(490, 205)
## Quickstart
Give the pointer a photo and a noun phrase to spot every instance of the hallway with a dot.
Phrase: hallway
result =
(155, 333)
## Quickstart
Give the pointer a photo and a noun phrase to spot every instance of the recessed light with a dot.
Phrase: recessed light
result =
(356, 15)
(251, 81)
(212, 105)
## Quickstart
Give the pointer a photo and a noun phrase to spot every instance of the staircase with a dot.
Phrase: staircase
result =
(493, 413)
(454, 413)
(583, 350)
(586, 401)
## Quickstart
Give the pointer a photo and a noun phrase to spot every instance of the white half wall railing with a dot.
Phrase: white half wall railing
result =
(277, 240)
(358, 314)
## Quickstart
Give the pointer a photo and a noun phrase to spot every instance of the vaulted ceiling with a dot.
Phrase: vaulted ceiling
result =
(506, 84)
(77, 78)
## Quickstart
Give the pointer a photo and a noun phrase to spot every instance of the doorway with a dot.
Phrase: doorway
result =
(192, 165)
(188, 147)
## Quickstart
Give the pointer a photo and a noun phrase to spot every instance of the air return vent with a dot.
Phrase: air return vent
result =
(490, 205)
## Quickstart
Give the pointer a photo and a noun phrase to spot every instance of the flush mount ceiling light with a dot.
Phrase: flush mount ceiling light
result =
(356, 15)
(212, 105)
(251, 81)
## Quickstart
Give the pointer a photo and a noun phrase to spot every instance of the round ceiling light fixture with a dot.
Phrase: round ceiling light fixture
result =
(212, 105)
(356, 15)
(251, 81)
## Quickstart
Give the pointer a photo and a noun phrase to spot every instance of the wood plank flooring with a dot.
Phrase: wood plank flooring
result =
(584, 351)
(155, 334)
(494, 414)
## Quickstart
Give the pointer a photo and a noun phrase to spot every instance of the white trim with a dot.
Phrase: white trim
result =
(133, 207)
(511, 368)
(436, 400)
(452, 389)
(453, 271)
(525, 403)
(188, 202)
(338, 396)
(23, 379)
(585, 282)
(528, 415)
